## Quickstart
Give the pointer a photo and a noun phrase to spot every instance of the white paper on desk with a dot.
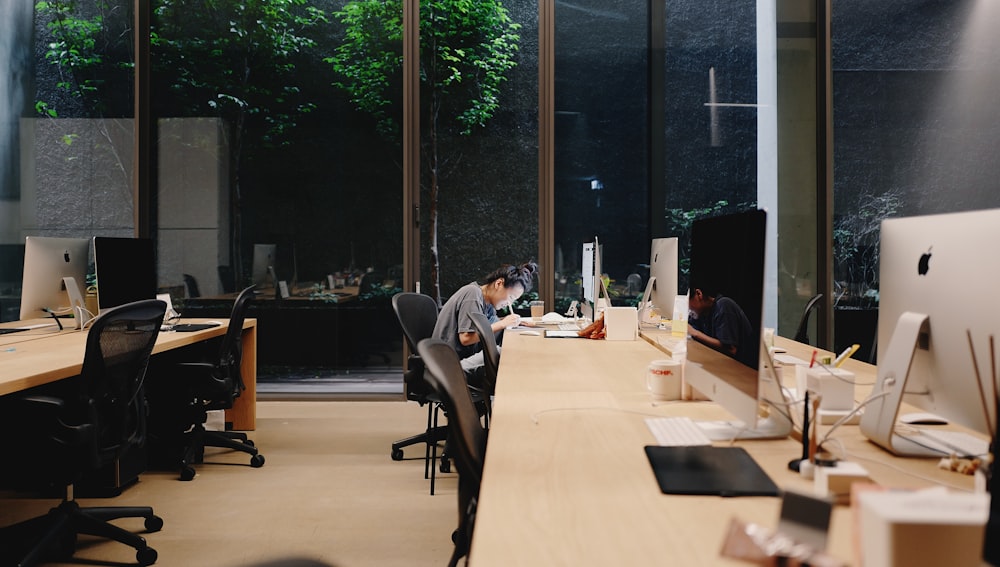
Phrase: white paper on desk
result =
(789, 359)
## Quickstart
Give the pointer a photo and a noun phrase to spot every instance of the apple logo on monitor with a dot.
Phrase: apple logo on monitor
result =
(925, 262)
(66, 256)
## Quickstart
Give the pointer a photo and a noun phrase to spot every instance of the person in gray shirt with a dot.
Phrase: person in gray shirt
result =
(496, 291)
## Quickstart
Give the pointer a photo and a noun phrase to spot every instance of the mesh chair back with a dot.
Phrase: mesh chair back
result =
(231, 350)
(445, 374)
(802, 333)
(119, 344)
(417, 314)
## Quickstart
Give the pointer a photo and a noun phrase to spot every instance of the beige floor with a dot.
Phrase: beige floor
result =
(328, 492)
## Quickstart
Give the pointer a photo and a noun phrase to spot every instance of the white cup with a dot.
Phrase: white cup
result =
(663, 379)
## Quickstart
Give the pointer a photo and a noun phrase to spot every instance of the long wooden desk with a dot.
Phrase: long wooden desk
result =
(567, 482)
(33, 358)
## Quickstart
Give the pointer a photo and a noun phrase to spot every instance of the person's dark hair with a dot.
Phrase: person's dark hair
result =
(514, 275)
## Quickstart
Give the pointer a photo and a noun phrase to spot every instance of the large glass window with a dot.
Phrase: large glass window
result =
(66, 128)
(271, 172)
(915, 127)
(479, 140)
(602, 144)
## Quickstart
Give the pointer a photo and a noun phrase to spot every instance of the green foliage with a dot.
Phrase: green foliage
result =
(90, 51)
(467, 47)
(236, 60)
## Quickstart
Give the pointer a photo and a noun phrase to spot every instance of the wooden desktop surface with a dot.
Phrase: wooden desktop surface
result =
(29, 360)
(567, 482)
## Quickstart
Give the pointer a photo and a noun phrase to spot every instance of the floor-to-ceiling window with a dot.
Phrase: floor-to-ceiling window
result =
(478, 140)
(915, 129)
(66, 128)
(601, 144)
(273, 170)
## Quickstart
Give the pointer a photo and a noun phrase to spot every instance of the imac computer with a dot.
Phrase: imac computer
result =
(592, 281)
(661, 289)
(727, 260)
(938, 316)
(126, 270)
(47, 260)
(264, 257)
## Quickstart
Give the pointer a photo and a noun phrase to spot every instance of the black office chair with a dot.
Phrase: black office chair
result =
(192, 286)
(467, 434)
(417, 314)
(215, 385)
(491, 360)
(227, 279)
(70, 429)
(802, 333)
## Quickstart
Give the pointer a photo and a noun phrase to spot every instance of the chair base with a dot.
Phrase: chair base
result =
(53, 536)
(199, 438)
(433, 435)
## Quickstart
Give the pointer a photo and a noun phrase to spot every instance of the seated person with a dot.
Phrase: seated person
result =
(497, 291)
(719, 322)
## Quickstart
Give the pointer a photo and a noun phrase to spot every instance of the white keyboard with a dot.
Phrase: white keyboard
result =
(962, 444)
(568, 327)
(677, 431)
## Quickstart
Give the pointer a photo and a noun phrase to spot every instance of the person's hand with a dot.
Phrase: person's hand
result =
(511, 320)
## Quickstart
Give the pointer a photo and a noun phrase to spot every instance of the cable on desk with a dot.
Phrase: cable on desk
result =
(847, 455)
(536, 415)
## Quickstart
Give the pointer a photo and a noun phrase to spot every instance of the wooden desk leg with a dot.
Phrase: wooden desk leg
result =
(243, 415)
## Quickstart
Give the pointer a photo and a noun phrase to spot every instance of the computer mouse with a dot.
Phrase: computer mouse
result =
(531, 333)
(923, 418)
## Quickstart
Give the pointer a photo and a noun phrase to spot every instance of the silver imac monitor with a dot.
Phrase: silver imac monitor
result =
(939, 310)
(727, 268)
(592, 280)
(661, 289)
(126, 270)
(47, 260)
(264, 257)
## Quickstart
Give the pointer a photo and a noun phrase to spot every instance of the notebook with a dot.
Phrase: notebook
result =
(706, 470)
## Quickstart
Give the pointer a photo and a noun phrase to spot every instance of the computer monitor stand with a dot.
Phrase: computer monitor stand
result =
(776, 425)
(76, 303)
(879, 420)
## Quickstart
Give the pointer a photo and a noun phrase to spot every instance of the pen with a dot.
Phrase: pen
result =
(845, 355)
(812, 360)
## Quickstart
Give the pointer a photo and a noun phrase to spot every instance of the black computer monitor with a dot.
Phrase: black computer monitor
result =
(126, 270)
(727, 260)
(47, 260)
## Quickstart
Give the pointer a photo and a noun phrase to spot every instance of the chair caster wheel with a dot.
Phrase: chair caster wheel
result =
(187, 473)
(146, 556)
(257, 461)
(154, 524)
(397, 454)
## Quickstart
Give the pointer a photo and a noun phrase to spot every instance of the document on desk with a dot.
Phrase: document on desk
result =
(563, 334)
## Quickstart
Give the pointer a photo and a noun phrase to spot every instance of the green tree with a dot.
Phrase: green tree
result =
(467, 48)
(232, 59)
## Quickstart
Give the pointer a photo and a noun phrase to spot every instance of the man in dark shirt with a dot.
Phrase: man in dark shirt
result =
(719, 322)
